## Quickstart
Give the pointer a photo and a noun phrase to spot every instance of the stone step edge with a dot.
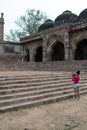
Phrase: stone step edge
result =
(37, 77)
(34, 96)
(30, 87)
(34, 75)
(39, 91)
(33, 103)
(3, 83)
(34, 87)
(37, 103)
(38, 96)
(34, 80)
(8, 86)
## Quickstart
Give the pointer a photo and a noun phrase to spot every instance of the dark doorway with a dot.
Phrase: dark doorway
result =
(27, 56)
(58, 52)
(38, 56)
(81, 51)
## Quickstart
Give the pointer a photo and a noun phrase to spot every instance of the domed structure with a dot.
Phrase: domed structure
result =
(66, 17)
(47, 24)
(83, 14)
(64, 39)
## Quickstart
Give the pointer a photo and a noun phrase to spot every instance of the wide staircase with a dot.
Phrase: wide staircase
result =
(27, 89)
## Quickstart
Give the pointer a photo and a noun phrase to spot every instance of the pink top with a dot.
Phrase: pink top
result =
(76, 79)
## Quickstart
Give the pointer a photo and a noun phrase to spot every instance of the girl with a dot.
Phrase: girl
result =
(76, 79)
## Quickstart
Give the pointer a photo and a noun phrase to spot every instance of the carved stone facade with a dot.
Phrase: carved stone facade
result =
(64, 39)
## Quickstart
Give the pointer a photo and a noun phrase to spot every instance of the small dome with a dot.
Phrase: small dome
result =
(66, 17)
(83, 14)
(47, 24)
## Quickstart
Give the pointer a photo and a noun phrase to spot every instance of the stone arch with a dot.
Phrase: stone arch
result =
(75, 42)
(55, 48)
(38, 55)
(81, 50)
(27, 55)
(57, 51)
(76, 39)
(52, 39)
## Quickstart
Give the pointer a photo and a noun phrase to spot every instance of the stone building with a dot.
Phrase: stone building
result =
(63, 39)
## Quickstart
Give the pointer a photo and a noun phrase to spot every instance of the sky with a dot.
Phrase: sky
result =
(13, 9)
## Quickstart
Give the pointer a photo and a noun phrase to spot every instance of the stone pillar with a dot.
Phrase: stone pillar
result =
(49, 55)
(32, 58)
(23, 54)
(44, 58)
(67, 48)
(44, 55)
(32, 55)
(73, 54)
(67, 54)
(1, 27)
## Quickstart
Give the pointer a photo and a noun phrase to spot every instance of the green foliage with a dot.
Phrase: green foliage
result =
(28, 24)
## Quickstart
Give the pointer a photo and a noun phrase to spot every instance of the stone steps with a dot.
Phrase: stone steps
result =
(30, 78)
(34, 80)
(34, 103)
(29, 84)
(30, 81)
(7, 89)
(37, 92)
(33, 85)
(36, 89)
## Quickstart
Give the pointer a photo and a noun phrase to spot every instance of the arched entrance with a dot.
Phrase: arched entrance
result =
(27, 56)
(38, 56)
(81, 50)
(58, 52)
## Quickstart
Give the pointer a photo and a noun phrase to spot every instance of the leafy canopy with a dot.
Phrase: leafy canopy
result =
(27, 25)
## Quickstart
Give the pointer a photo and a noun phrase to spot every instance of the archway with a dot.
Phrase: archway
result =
(58, 52)
(27, 56)
(38, 56)
(81, 50)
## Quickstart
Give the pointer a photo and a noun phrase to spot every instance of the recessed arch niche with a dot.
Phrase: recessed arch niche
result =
(81, 50)
(38, 55)
(27, 55)
(57, 51)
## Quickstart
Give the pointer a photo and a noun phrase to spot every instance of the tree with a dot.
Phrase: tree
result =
(28, 24)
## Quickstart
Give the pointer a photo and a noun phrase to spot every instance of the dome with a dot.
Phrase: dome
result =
(47, 24)
(83, 14)
(66, 17)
